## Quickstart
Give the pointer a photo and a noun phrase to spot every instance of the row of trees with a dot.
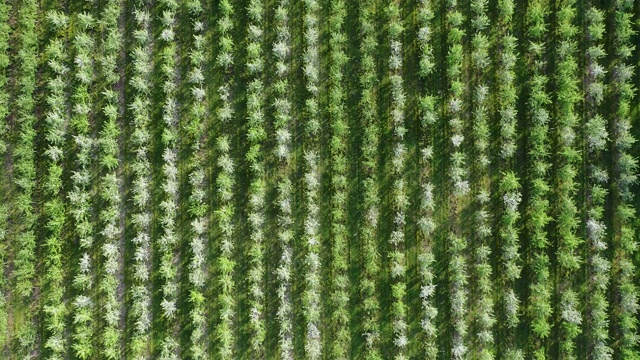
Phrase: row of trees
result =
(537, 206)
(625, 167)
(140, 313)
(426, 222)
(56, 120)
(167, 242)
(566, 212)
(311, 301)
(484, 319)
(370, 263)
(458, 173)
(23, 151)
(198, 207)
(24, 171)
(109, 216)
(4, 253)
(509, 236)
(339, 280)
(597, 138)
(282, 120)
(400, 200)
(225, 184)
(5, 33)
(509, 189)
(256, 136)
(80, 197)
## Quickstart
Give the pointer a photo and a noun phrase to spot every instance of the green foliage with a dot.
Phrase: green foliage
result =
(318, 180)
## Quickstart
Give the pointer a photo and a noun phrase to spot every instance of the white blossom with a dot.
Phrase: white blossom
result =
(457, 140)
